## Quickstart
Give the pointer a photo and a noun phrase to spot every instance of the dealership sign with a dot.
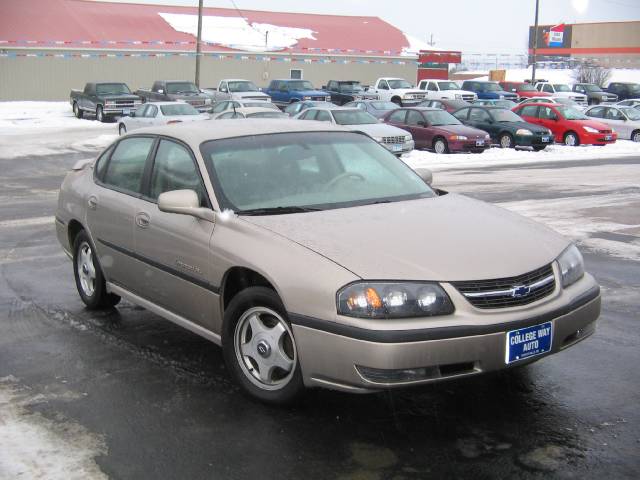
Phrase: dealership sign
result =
(554, 36)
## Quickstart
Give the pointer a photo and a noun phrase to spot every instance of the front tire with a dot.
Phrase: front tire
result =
(259, 348)
(88, 275)
(440, 146)
(100, 114)
(397, 101)
(571, 139)
(76, 110)
(635, 136)
(122, 129)
(506, 141)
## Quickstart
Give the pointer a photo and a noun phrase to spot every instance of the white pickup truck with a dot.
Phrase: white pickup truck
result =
(438, 89)
(236, 89)
(561, 90)
(398, 91)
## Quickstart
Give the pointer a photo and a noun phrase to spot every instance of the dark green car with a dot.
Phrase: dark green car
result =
(506, 128)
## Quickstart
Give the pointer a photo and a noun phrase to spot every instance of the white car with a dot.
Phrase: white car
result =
(437, 89)
(561, 90)
(236, 104)
(398, 91)
(236, 89)
(630, 102)
(624, 120)
(561, 100)
(160, 113)
(251, 112)
(394, 139)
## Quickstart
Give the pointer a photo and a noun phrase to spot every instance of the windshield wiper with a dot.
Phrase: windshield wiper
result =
(277, 210)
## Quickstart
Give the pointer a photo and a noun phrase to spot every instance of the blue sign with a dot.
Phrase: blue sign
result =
(528, 342)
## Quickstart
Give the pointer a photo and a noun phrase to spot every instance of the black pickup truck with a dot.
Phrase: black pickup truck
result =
(104, 100)
(345, 91)
(168, 90)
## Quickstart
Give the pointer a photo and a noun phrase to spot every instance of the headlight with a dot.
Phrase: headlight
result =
(501, 96)
(524, 131)
(458, 96)
(408, 138)
(408, 96)
(549, 132)
(393, 300)
(590, 129)
(571, 265)
(487, 137)
(207, 101)
(306, 98)
(328, 99)
(378, 139)
(457, 137)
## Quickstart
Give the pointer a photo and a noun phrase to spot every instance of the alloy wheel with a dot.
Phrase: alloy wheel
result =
(440, 147)
(505, 141)
(86, 269)
(636, 137)
(570, 140)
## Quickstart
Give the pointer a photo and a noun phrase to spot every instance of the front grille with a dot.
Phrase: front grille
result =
(319, 99)
(468, 98)
(605, 131)
(125, 103)
(393, 140)
(499, 293)
(256, 98)
(195, 103)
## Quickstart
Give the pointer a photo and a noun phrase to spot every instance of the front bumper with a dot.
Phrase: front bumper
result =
(597, 138)
(468, 145)
(121, 111)
(399, 148)
(533, 140)
(354, 359)
(408, 102)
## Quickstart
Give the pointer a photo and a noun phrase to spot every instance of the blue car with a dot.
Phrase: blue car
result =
(286, 92)
(488, 90)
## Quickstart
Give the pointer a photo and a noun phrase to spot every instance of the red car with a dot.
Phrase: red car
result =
(435, 129)
(569, 126)
(523, 90)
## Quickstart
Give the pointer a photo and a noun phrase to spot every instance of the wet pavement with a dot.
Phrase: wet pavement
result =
(147, 399)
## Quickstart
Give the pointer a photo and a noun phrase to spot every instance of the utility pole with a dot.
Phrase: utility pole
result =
(198, 41)
(535, 44)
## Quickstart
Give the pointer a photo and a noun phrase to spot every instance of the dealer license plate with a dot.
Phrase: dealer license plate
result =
(126, 111)
(545, 139)
(396, 148)
(528, 342)
(607, 137)
(479, 143)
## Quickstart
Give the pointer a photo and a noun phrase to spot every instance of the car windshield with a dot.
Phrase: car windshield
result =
(350, 87)
(353, 117)
(490, 87)
(448, 86)
(112, 89)
(592, 88)
(289, 172)
(300, 85)
(261, 104)
(561, 87)
(242, 86)
(398, 83)
(440, 117)
(178, 109)
(631, 113)
(526, 87)
(505, 104)
(267, 115)
(635, 88)
(181, 87)
(503, 115)
(570, 113)
(384, 105)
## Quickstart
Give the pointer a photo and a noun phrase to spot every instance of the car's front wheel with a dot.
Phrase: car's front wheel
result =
(100, 114)
(440, 146)
(88, 275)
(506, 141)
(122, 129)
(259, 347)
(76, 110)
(635, 136)
(571, 139)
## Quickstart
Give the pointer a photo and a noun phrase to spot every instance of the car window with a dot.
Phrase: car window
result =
(127, 163)
(613, 114)
(174, 169)
(323, 116)
(548, 89)
(478, 115)
(597, 112)
(151, 111)
(462, 114)
(229, 115)
(432, 86)
(529, 111)
(382, 84)
(308, 114)
(101, 163)
(221, 107)
(141, 109)
(547, 113)
(398, 116)
(414, 117)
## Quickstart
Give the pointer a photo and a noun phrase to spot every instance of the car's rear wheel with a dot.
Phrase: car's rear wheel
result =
(122, 129)
(76, 110)
(440, 146)
(635, 136)
(88, 275)
(571, 139)
(506, 140)
(259, 347)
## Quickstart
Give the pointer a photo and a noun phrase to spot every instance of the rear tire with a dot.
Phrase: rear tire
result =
(440, 145)
(88, 275)
(122, 129)
(571, 139)
(259, 348)
(635, 136)
(506, 141)
(397, 101)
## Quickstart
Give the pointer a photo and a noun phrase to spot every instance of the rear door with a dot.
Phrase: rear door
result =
(111, 207)
(174, 249)
(397, 118)
(616, 119)
(529, 113)
(480, 118)
(415, 124)
(549, 118)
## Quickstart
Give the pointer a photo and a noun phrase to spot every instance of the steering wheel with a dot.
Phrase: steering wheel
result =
(341, 177)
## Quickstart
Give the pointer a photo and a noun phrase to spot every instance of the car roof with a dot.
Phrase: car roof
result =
(427, 109)
(248, 110)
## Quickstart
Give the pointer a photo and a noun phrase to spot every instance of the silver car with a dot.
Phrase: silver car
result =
(250, 112)
(624, 120)
(392, 138)
(316, 258)
(159, 113)
(230, 105)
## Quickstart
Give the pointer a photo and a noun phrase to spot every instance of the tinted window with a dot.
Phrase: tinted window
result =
(127, 164)
(323, 116)
(613, 114)
(398, 116)
(548, 89)
(178, 109)
(432, 87)
(528, 111)
(547, 113)
(174, 169)
(478, 115)
(597, 112)
(461, 114)
(414, 117)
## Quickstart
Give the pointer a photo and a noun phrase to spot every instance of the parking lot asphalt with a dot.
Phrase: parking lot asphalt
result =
(125, 394)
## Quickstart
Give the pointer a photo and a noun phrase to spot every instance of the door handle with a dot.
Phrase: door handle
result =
(92, 202)
(142, 220)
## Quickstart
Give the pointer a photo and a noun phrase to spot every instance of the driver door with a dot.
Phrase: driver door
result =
(417, 126)
(616, 119)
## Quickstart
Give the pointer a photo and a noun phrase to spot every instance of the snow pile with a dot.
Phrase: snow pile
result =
(559, 75)
(237, 32)
(508, 156)
(29, 115)
(415, 45)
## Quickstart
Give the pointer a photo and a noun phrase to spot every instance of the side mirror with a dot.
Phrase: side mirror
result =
(425, 174)
(422, 123)
(160, 90)
(184, 202)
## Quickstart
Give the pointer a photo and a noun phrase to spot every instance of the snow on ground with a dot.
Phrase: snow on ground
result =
(34, 447)
(560, 75)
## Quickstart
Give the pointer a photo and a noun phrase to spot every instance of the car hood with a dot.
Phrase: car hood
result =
(188, 96)
(445, 238)
(460, 130)
(591, 123)
(310, 93)
(378, 129)
(121, 96)
(413, 91)
(251, 95)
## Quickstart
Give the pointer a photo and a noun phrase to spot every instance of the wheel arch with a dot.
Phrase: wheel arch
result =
(237, 279)
(73, 229)
(637, 130)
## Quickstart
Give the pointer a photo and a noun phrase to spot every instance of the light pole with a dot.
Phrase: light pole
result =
(535, 43)
(198, 46)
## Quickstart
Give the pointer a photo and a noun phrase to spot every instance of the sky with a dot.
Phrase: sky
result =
(473, 26)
